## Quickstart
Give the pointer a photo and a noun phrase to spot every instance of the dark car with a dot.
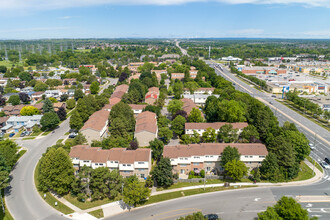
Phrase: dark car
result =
(211, 216)
(327, 160)
(11, 134)
(23, 134)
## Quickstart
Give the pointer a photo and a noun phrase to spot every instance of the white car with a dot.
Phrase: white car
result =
(325, 165)
(311, 146)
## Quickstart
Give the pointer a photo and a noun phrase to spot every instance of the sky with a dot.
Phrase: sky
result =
(36, 19)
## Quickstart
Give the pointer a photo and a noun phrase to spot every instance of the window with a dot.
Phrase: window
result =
(186, 158)
(251, 156)
(101, 164)
(196, 157)
(246, 156)
(86, 161)
(181, 158)
(196, 163)
(129, 165)
(96, 164)
(207, 156)
(183, 165)
(195, 169)
(172, 159)
(182, 171)
(261, 156)
(116, 161)
(140, 162)
(142, 176)
(124, 165)
(127, 171)
(208, 168)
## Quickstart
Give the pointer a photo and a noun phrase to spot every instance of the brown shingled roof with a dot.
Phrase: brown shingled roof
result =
(188, 105)
(96, 121)
(215, 125)
(213, 149)
(146, 121)
(137, 107)
(96, 154)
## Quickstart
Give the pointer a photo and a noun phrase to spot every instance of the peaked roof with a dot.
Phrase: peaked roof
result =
(146, 121)
(96, 121)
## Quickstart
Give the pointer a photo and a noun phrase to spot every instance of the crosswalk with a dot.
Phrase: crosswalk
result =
(326, 177)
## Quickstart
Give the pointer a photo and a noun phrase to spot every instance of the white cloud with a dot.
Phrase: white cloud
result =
(55, 4)
(65, 17)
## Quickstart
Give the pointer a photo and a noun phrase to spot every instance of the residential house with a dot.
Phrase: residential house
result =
(188, 105)
(118, 94)
(137, 109)
(58, 105)
(199, 99)
(96, 127)
(53, 93)
(37, 96)
(146, 129)
(3, 121)
(19, 122)
(152, 95)
(201, 127)
(178, 76)
(199, 91)
(127, 162)
(207, 156)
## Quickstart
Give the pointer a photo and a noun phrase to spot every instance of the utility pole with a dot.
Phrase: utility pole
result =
(209, 52)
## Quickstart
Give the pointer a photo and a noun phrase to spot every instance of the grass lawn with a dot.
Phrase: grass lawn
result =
(209, 181)
(97, 213)
(318, 166)
(178, 194)
(21, 153)
(87, 204)
(6, 215)
(36, 133)
(6, 63)
(305, 172)
(50, 199)
(29, 138)
(67, 133)
(59, 141)
(46, 133)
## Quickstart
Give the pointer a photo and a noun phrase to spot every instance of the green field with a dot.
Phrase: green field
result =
(6, 63)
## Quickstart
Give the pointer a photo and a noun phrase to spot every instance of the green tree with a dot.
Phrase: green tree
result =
(195, 116)
(162, 173)
(48, 106)
(250, 133)
(185, 139)
(76, 121)
(40, 86)
(236, 169)
(4, 173)
(178, 89)
(174, 106)
(269, 168)
(49, 120)
(134, 191)
(29, 110)
(163, 121)
(194, 216)
(118, 128)
(157, 147)
(125, 113)
(209, 135)
(299, 142)
(177, 125)
(14, 100)
(8, 150)
(192, 86)
(56, 171)
(95, 87)
(231, 111)
(269, 214)
(229, 154)
(25, 76)
(227, 134)
(78, 94)
(165, 134)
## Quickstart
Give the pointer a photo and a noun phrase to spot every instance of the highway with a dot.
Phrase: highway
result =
(317, 135)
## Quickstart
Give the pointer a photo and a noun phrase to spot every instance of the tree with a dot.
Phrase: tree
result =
(162, 173)
(118, 128)
(25, 76)
(95, 87)
(3, 69)
(178, 89)
(299, 142)
(195, 116)
(8, 150)
(229, 154)
(269, 168)
(78, 94)
(157, 147)
(56, 171)
(231, 111)
(4, 173)
(194, 216)
(185, 139)
(70, 103)
(53, 100)
(209, 135)
(285, 208)
(236, 169)
(14, 100)
(165, 134)
(227, 134)
(47, 106)
(174, 106)
(64, 97)
(192, 86)
(163, 121)
(76, 121)
(40, 86)
(2, 101)
(182, 113)
(29, 110)
(49, 120)
(61, 113)
(177, 125)
(134, 191)
(249, 133)
(125, 113)
(25, 98)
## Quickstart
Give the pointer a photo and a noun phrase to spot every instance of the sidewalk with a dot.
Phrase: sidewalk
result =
(117, 207)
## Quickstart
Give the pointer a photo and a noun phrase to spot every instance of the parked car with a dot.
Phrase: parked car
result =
(72, 135)
(274, 96)
(11, 134)
(325, 165)
(211, 216)
(23, 134)
(327, 160)
(271, 102)
(28, 133)
(311, 146)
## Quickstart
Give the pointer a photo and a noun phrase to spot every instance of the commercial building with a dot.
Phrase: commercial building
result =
(127, 162)
(207, 156)
(262, 70)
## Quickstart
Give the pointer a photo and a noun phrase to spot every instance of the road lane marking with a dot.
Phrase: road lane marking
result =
(153, 216)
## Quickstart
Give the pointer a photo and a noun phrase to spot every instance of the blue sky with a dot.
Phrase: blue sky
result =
(32, 19)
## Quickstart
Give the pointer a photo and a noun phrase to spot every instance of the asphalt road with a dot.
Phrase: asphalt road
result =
(183, 51)
(22, 198)
(317, 135)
